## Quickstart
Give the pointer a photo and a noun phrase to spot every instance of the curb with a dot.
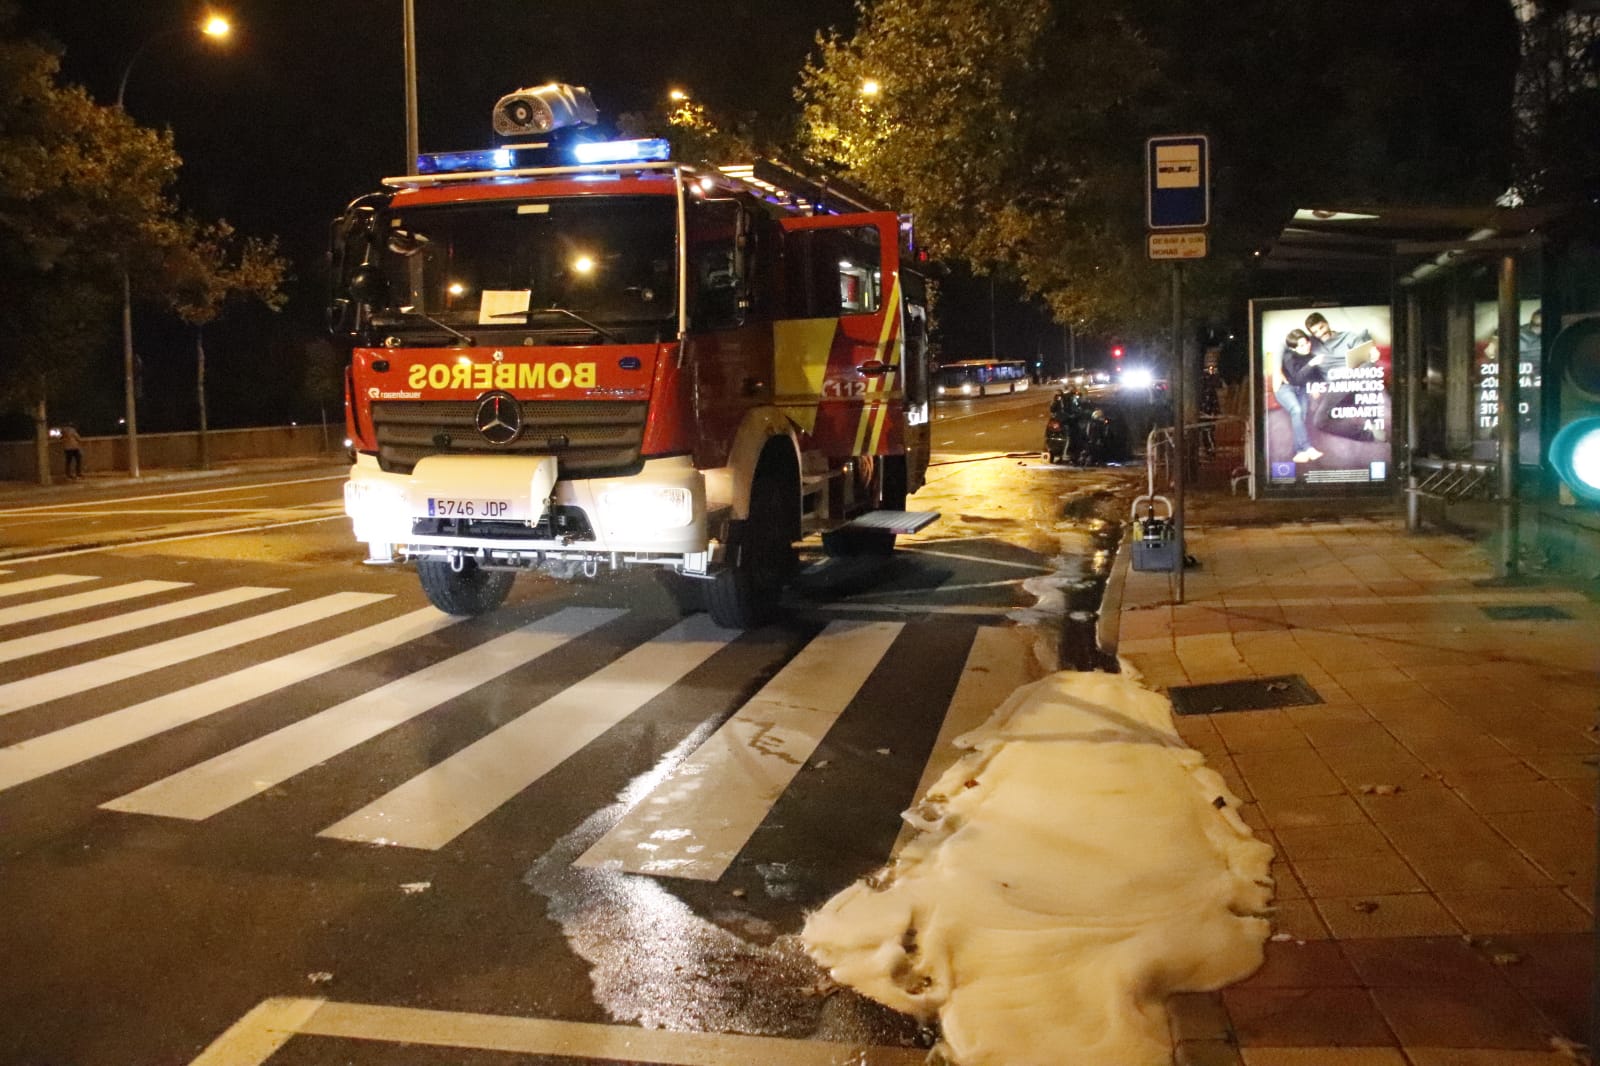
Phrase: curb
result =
(1108, 625)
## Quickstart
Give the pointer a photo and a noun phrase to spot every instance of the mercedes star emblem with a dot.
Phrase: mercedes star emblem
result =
(499, 417)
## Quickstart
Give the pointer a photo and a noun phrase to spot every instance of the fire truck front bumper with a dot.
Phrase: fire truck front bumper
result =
(512, 511)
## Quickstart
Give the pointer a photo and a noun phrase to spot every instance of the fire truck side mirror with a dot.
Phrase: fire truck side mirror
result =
(353, 280)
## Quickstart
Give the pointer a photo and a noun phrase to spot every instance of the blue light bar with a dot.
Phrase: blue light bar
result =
(458, 162)
(653, 149)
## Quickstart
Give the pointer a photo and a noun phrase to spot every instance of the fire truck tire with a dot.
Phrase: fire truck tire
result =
(471, 591)
(747, 593)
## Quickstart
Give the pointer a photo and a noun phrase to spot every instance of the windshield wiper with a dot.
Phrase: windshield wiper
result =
(412, 312)
(530, 312)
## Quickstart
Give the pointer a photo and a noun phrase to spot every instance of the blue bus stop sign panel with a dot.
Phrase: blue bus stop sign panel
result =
(1178, 182)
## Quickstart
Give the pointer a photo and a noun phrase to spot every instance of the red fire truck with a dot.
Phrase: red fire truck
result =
(573, 353)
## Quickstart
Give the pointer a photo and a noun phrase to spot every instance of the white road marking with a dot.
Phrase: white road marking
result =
(20, 647)
(72, 680)
(236, 775)
(999, 663)
(97, 736)
(981, 559)
(260, 1034)
(78, 505)
(441, 803)
(958, 609)
(28, 612)
(14, 560)
(41, 584)
(935, 590)
(697, 820)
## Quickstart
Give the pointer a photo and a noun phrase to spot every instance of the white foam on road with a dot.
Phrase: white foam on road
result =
(1072, 873)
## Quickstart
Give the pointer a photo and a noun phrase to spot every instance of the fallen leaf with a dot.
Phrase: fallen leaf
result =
(1380, 790)
(1505, 958)
(411, 888)
(321, 977)
(885, 751)
(739, 893)
(1365, 906)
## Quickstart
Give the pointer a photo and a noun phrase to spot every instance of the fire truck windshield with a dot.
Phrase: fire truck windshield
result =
(575, 267)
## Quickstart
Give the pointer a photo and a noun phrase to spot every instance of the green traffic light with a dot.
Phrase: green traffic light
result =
(1575, 454)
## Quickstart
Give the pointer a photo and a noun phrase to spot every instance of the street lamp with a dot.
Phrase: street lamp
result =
(216, 28)
(870, 87)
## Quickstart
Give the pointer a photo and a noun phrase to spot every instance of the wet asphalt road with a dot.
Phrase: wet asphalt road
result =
(188, 730)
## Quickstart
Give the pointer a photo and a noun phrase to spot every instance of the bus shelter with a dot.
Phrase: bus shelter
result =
(1435, 350)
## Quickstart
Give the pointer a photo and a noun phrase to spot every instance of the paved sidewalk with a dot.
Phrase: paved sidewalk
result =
(1434, 815)
(62, 489)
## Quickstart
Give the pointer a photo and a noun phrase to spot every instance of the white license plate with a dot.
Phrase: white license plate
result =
(451, 507)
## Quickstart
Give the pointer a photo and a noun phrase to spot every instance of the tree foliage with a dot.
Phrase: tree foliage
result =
(1015, 132)
(208, 264)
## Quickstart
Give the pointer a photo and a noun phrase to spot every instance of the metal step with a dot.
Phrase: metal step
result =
(893, 521)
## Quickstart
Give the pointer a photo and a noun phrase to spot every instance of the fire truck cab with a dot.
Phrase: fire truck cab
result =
(572, 353)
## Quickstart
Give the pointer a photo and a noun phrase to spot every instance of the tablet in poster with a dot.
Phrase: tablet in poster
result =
(1324, 375)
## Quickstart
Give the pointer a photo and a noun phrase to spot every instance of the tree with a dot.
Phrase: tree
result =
(82, 191)
(1015, 132)
(209, 265)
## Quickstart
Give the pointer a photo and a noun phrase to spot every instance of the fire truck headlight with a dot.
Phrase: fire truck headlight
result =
(648, 507)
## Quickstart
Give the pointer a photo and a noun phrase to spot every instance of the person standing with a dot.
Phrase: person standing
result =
(72, 449)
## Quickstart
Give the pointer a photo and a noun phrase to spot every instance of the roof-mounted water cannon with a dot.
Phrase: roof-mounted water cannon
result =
(544, 109)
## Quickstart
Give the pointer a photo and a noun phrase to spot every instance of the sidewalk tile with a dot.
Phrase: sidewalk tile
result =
(1207, 1053)
(1451, 834)
(1516, 910)
(1321, 1017)
(1411, 802)
(1464, 1015)
(1311, 964)
(1501, 796)
(1299, 812)
(1298, 919)
(1287, 773)
(1365, 875)
(1338, 841)
(1547, 959)
(1422, 962)
(1409, 914)
(1322, 1056)
(1477, 870)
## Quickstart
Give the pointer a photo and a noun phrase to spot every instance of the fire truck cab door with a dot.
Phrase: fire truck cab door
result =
(836, 338)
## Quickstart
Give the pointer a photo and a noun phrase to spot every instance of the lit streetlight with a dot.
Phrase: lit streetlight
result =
(216, 28)
(870, 87)
(677, 96)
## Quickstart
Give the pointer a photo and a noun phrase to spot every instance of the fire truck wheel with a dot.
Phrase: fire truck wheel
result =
(471, 591)
(746, 594)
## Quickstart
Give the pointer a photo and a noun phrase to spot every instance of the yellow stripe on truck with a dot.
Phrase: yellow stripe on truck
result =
(800, 348)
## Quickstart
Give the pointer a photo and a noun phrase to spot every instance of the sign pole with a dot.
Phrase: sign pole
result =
(1180, 453)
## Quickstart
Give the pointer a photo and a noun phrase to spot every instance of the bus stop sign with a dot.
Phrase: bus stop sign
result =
(1178, 182)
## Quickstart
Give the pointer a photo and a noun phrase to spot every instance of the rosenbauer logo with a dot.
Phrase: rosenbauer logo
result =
(481, 376)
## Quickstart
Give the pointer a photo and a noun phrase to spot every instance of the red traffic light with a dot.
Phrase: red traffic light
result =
(1116, 353)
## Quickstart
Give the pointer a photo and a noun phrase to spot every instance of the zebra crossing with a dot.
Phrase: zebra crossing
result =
(693, 823)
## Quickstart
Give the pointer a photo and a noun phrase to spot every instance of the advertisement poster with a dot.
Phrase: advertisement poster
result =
(1486, 387)
(1325, 375)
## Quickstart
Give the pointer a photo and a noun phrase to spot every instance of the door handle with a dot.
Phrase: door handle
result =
(873, 368)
